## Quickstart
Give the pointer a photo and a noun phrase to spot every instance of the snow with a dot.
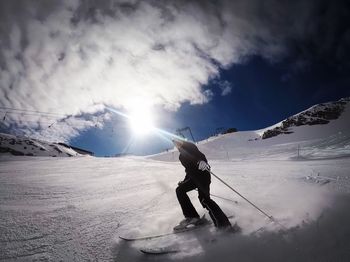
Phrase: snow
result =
(74, 209)
(53, 212)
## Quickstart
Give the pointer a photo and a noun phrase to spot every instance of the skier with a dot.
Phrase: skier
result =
(197, 176)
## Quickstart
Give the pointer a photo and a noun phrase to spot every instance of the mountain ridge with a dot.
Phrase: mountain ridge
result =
(24, 146)
(319, 114)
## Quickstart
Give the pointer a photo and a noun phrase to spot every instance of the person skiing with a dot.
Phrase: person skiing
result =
(197, 176)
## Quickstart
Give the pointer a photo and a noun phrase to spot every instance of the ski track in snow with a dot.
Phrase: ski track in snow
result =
(74, 209)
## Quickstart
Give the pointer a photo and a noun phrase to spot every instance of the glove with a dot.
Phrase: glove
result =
(203, 166)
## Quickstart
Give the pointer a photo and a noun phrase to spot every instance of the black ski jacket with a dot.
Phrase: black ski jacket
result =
(189, 158)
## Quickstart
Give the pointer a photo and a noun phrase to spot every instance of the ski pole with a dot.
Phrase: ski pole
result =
(220, 197)
(269, 216)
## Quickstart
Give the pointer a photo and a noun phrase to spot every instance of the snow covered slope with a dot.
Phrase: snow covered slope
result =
(301, 137)
(74, 209)
(22, 146)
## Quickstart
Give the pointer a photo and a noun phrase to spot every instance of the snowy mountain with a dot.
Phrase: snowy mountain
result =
(320, 114)
(22, 146)
(75, 209)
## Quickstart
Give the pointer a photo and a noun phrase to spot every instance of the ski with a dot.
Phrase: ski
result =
(190, 228)
(165, 234)
(159, 251)
(173, 249)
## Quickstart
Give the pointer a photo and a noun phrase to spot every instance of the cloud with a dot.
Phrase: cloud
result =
(225, 86)
(73, 57)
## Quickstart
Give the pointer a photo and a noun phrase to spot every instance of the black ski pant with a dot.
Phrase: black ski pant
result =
(202, 183)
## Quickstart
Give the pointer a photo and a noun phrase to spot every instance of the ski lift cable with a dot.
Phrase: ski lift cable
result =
(30, 114)
(45, 122)
(31, 111)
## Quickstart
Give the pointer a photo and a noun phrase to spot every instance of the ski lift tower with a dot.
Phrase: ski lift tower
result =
(180, 131)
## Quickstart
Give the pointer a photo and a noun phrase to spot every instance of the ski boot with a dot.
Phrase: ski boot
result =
(191, 222)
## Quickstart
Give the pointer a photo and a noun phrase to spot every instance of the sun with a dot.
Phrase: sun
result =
(140, 117)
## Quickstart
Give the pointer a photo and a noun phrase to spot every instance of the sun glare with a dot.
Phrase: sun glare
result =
(140, 118)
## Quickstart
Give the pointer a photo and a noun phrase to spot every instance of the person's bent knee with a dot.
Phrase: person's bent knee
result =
(205, 201)
(179, 190)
